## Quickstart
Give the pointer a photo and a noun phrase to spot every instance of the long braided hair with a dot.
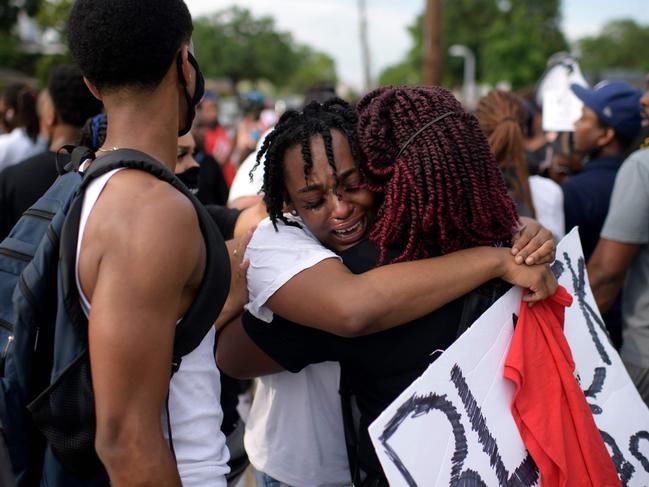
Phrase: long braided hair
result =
(441, 187)
(297, 128)
(502, 118)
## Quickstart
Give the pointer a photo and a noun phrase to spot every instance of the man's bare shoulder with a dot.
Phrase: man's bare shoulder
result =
(140, 205)
(142, 225)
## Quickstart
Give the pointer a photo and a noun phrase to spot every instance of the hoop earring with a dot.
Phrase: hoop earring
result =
(293, 212)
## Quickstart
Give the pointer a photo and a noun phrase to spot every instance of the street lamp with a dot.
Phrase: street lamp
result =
(468, 85)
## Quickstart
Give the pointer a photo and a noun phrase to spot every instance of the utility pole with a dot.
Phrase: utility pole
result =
(431, 66)
(365, 47)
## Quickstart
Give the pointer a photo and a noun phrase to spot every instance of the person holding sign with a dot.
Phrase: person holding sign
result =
(441, 193)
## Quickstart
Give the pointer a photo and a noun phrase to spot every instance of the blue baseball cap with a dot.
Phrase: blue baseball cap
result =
(616, 103)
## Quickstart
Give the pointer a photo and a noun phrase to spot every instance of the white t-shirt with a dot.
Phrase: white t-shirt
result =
(547, 198)
(194, 392)
(16, 146)
(295, 429)
(241, 185)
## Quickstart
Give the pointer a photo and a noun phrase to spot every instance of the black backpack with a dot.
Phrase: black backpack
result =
(47, 417)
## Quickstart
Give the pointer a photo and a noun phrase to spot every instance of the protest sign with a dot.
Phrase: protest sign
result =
(560, 107)
(453, 425)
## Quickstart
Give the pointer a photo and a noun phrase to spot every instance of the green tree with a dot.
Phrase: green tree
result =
(313, 67)
(8, 15)
(53, 14)
(511, 39)
(233, 44)
(11, 54)
(9, 10)
(620, 44)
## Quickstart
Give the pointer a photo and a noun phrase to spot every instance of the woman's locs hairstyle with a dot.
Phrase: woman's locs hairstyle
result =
(298, 128)
(441, 188)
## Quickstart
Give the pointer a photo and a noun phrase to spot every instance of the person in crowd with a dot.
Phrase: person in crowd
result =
(20, 119)
(142, 256)
(248, 132)
(213, 149)
(212, 186)
(536, 145)
(566, 160)
(64, 108)
(200, 172)
(620, 262)
(642, 141)
(232, 224)
(502, 117)
(216, 139)
(609, 123)
(439, 195)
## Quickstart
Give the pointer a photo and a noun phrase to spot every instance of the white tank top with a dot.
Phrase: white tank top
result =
(194, 392)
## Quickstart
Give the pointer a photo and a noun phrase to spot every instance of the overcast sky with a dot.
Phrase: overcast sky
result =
(332, 25)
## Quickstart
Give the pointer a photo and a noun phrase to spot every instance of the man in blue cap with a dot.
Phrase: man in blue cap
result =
(609, 124)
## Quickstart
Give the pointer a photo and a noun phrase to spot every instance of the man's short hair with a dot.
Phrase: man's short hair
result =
(72, 100)
(127, 43)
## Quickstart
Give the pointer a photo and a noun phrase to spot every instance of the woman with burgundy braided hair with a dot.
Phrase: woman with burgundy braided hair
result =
(381, 323)
(441, 187)
(501, 116)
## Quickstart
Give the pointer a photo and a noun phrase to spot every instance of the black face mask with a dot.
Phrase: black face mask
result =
(190, 178)
(192, 102)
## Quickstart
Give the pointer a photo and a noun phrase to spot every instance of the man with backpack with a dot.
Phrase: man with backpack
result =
(111, 282)
(141, 256)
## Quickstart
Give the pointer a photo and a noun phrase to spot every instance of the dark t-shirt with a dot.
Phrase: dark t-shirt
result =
(23, 183)
(225, 218)
(377, 367)
(212, 188)
(586, 197)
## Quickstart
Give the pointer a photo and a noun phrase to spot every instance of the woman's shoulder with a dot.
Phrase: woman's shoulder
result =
(275, 245)
(279, 233)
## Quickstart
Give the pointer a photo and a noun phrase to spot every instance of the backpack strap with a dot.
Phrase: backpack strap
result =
(215, 285)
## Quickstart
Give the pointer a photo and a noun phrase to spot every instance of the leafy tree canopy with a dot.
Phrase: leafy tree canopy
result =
(235, 45)
(621, 44)
(231, 44)
(511, 39)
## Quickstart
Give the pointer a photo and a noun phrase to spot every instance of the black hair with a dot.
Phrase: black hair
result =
(72, 99)
(320, 92)
(625, 143)
(22, 100)
(297, 128)
(120, 43)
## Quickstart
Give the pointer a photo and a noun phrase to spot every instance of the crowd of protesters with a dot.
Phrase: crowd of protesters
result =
(383, 230)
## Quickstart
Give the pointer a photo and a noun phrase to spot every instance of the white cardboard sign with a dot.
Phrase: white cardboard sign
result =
(454, 426)
(561, 109)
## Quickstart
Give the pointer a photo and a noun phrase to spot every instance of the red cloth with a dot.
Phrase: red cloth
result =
(218, 143)
(549, 407)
